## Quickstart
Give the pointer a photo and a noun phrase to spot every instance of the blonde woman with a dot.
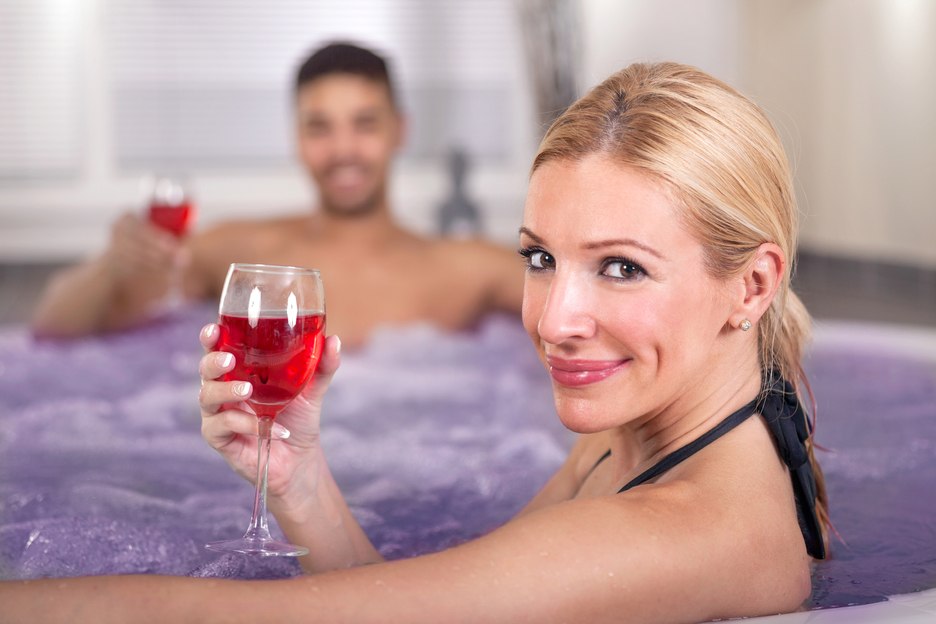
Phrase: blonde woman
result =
(658, 231)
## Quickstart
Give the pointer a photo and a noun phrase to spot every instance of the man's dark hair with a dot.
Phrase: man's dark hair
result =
(345, 58)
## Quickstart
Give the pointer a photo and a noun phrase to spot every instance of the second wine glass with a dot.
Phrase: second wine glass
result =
(171, 207)
(272, 319)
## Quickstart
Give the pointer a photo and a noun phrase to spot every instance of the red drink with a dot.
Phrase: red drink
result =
(274, 356)
(172, 217)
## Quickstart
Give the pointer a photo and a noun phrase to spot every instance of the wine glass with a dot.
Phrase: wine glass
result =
(272, 318)
(170, 206)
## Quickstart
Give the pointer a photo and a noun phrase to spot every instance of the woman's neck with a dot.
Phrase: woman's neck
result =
(697, 409)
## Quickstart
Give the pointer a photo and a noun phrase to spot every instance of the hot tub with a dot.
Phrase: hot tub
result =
(434, 437)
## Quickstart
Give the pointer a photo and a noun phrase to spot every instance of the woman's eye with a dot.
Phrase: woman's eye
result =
(622, 269)
(537, 259)
(541, 260)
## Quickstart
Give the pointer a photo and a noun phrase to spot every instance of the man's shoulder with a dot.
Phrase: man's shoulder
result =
(474, 248)
(493, 268)
(212, 249)
(236, 226)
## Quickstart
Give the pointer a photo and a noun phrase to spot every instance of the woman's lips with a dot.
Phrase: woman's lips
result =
(575, 373)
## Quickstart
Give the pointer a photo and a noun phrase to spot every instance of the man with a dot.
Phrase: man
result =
(375, 272)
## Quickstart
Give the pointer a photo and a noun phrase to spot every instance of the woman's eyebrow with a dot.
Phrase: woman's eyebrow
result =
(630, 242)
(528, 232)
(611, 242)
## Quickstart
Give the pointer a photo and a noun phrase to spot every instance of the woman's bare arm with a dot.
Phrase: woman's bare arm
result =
(651, 556)
(302, 493)
(326, 527)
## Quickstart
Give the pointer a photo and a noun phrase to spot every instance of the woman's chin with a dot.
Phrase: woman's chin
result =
(582, 420)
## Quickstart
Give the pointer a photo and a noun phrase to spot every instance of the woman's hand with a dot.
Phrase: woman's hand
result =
(229, 428)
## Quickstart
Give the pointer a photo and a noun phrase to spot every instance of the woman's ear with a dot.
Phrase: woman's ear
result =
(760, 282)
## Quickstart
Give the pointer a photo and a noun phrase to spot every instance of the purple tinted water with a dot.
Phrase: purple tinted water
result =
(435, 438)
(102, 468)
(877, 417)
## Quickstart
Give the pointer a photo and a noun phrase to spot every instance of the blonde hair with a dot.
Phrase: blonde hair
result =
(724, 164)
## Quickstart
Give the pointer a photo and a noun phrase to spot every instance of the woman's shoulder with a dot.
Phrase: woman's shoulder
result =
(667, 551)
(737, 497)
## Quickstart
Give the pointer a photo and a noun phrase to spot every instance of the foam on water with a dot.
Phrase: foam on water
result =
(435, 438)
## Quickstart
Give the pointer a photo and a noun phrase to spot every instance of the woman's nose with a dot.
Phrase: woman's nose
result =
(567, 313)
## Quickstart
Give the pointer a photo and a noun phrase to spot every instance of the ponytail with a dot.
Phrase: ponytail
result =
(784, 331)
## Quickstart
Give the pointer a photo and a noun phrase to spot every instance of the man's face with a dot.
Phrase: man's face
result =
(348, 133)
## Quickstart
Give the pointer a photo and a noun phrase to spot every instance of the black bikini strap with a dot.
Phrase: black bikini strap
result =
(786, 419)
(683, 453)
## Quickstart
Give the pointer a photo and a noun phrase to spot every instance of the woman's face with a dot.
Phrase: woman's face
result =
(617, 299)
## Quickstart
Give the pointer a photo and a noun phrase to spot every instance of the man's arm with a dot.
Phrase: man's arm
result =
(118, 288)
(503, 272)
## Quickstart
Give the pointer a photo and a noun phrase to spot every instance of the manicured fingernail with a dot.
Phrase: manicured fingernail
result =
(226, 359)
(207, 331)
(242, 388)
(279, 431)
(337, 344)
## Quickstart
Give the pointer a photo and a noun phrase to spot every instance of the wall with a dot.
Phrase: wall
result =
(852, 84)
(706, 34)
(66, 219)
(73, 74)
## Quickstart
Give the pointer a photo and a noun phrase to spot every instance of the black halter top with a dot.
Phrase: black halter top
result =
(790, 428)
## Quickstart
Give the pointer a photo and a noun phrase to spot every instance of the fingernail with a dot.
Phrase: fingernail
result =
(242, 388)
(207, 331)
(226, 359)
(337, 344)
(279, 431)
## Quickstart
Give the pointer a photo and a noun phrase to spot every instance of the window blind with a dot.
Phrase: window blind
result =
(40, 100)
(207, 83)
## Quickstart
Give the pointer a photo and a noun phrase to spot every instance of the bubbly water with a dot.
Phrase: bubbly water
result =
(434, 437)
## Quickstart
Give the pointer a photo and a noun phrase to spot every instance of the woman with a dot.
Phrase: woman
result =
(658, 233)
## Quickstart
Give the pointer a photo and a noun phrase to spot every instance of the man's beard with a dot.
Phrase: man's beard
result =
(337, 206)
(356, 210)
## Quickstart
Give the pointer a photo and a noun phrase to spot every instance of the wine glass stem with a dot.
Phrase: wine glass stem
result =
(258, 529)
(174, 296)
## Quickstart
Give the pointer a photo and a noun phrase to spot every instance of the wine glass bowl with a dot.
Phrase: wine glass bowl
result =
(170, 205)
(272, 319)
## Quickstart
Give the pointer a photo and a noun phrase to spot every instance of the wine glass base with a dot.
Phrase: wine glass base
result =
(263, 548)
